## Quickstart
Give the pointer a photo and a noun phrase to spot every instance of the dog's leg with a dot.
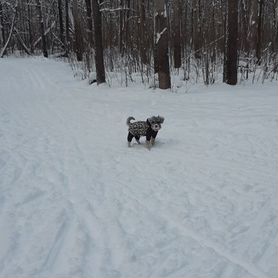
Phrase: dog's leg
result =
(148, 145)
(152, 141)
(129, 139)
(148, 140)
(138, 139)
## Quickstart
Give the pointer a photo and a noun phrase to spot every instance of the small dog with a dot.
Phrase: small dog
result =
(148, 128)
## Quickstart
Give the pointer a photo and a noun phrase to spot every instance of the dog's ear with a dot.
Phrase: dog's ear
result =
(161, 119)
(151, 120)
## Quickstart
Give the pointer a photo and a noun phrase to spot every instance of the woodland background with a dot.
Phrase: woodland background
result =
(197, 39)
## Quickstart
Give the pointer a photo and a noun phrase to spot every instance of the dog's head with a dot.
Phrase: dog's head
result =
(155, 122)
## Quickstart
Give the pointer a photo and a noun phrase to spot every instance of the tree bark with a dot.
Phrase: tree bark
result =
(42, 29)
(143, 42)
(98, 43)
(232, 38)
(2, 52)
(259, 31)
(177, 33)
(78, 38)
(89, 22)
(61, 23)
(161, 45)
(2, 24)
(67, 27)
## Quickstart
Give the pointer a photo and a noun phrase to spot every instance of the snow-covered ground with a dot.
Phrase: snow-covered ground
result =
(75, 201)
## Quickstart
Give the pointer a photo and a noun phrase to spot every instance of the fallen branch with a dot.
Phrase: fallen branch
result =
(45, 33)
(27, 50)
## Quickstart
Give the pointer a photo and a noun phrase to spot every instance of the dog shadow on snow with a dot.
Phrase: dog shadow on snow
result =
(161, 143)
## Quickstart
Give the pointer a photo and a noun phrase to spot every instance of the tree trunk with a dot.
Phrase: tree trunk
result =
(161, 45)
(61, 23)
(42, 29)
(2, 52)
(30, 29)
(89, 22)
(98, 42)
(177, 33)
(259, 31)
(143, 42)
(2, 24)
(67, 27)
(224, 13)
(231, 67)
(78, 38)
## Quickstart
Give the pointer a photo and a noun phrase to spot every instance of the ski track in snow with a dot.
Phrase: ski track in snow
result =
(74, 200)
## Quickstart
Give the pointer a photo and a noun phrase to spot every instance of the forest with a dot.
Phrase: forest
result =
(199, 40)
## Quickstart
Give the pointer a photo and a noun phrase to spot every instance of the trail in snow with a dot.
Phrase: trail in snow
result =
(74, 200)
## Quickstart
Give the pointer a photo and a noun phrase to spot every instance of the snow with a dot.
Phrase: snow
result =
(76, 201)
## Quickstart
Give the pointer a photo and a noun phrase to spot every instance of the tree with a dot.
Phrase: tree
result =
(2, 29)
(89, 22)
(42, 29)
(232, 37)
(78, 38)
(177, 33)
(259, 31)
(161, 45)
(2, 52)
(98, 42)
(61, 23)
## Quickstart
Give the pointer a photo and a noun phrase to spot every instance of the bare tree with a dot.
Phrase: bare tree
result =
(78, 36)
(42, 29)
(2, 29)
(177, 32)
(259, 31)
(2, 52)
(161, 45)
(89, 22)
(198, 35)
(98, 42)
(61, 23)
(232, 37)
(67, 26)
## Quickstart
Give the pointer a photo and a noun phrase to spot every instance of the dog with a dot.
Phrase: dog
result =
(148, 128)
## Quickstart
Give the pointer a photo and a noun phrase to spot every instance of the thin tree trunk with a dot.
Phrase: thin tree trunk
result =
(42, 29)
(89, 22)
(231, 74)
(30, 29)
(259, 31)
(142, 42)
(67, 26)
(78, 38)
(161, 45)
(2, 52)
(2, 24)
(224, 6)
(98, 42)
(61, 23)
(177, 33)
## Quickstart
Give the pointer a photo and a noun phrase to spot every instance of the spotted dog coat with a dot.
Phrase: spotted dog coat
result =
(148, 128)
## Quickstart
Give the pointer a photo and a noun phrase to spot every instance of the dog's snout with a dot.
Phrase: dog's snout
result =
(156, 127)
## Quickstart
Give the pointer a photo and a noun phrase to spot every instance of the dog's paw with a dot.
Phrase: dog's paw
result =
(148, 145)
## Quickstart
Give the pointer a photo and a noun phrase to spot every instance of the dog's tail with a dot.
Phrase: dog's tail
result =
(128, 120)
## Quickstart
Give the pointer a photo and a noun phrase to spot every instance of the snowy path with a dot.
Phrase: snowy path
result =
(75, 201)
